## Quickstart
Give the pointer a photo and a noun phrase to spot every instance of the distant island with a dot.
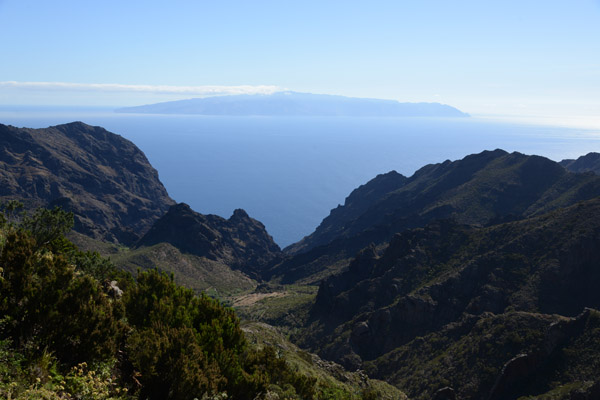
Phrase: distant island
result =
(296, 104)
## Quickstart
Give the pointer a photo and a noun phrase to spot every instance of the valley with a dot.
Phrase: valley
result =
(470, 279)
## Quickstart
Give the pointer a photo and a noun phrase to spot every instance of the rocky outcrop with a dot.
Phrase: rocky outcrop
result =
(104, 179)
(239, 242)
(355, 204)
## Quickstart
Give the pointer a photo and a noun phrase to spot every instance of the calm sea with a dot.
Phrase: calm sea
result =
(289, 172)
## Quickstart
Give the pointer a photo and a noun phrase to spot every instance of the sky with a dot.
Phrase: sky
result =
(525, 59)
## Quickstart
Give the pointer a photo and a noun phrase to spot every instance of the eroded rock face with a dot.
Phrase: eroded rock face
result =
(104, 179)
(433, 276)
(239, 242)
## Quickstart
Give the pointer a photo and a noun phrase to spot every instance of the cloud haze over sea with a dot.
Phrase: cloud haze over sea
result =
(207, 90)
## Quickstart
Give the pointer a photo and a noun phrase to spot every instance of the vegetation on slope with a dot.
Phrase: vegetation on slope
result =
(75, 327)
(284, 306)
(429, 279)
(332, 380)
(239, 242)
(197, 273)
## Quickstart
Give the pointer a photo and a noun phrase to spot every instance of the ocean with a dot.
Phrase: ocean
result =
(288, 172)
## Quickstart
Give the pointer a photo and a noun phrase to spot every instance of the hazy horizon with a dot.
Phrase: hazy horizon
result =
(528, 61)
(289, 172)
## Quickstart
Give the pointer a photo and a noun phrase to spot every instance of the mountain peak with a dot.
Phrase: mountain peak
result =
(239, 214)
(239, 242)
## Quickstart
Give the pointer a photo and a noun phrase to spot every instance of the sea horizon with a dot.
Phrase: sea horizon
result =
(289, 172)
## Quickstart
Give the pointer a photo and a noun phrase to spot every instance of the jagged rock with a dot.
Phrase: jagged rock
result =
(104, 179)
(239, 242)
(364, 261)
(361, 329)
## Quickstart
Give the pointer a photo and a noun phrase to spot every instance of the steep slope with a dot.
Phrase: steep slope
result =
(587, 163)
(333, 381)
(297, 104)
(197, 273)
(103, 178)
(431, 280)
(480, 189)
(239, 242)
(357, 203)
(505, 356)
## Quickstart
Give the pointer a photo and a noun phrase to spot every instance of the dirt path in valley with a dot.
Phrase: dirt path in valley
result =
(250, 299)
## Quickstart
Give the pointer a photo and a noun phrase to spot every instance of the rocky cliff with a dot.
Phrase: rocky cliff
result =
(239, 242)
(104, 179)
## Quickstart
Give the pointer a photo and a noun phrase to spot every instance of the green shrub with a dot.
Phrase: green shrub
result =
(159, 339)
(48, 306)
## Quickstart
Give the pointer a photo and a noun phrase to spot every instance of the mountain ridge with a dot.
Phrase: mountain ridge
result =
(296, 104)
(474, 279)
(480, 189)
(587, 163)
(102, 177)
(117, 197)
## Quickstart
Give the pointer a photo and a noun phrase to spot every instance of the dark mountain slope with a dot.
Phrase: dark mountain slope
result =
(357, 203)
(103, 178)
(434, 276)
(480, 189)
(588, 163)
(239, 242)
(504, 356)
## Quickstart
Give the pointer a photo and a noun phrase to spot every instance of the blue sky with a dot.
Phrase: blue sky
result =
(523, 58)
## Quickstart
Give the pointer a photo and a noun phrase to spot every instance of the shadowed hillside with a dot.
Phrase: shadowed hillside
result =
(239, 242)
(430, 279)
(480, 189)
(103, 178)
(588, 163)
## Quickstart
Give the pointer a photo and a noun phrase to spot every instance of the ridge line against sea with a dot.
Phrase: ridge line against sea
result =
(288, 172)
